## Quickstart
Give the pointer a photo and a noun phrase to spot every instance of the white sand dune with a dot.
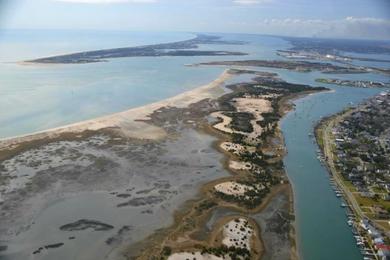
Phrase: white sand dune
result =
(255, 106)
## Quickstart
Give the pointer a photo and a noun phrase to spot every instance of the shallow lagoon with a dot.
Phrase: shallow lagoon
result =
(39, 97)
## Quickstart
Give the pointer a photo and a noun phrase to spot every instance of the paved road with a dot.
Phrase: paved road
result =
(327, 139)
(328, 142)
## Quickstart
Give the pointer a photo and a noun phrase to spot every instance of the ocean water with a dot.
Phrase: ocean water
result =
(19, 45)
(39, 97)
(36, 98)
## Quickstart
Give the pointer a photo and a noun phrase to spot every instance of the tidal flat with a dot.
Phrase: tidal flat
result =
(132, 185)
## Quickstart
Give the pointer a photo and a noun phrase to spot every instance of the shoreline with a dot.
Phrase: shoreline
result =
(289, 106)
(325, 139)
(189, 47)
(321, 137)
(131, 123)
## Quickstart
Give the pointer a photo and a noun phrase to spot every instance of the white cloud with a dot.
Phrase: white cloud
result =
(349, 27)
(106, 1)
(251, 2)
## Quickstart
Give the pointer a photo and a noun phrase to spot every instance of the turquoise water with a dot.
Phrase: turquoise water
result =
(35, 98)
(39, 97)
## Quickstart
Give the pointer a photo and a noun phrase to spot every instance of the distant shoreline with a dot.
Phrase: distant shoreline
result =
(180, 48)
(131, 122)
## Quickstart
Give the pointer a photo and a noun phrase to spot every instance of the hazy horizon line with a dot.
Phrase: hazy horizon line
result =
(193, 32)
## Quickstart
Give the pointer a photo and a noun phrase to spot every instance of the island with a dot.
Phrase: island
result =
(337, 50)
(354, 83)
(300, 66)
(181, 48)
(338, 46)
(324, 56)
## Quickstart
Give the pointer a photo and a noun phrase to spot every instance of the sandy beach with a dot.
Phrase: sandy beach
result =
(131, 123)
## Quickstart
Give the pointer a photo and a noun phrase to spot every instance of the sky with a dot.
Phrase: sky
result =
(368, 19)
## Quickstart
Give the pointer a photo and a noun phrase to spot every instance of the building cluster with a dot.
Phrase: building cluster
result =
(355, 83)
(362, 156)
(362, 143)
(378, 241)
(312, 55)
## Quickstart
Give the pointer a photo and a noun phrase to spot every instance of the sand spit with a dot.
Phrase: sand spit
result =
(131, 123)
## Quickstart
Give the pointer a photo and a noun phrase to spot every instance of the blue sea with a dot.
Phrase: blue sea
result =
(39, 97)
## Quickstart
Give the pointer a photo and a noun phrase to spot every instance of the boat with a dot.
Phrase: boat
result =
(343, 205)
